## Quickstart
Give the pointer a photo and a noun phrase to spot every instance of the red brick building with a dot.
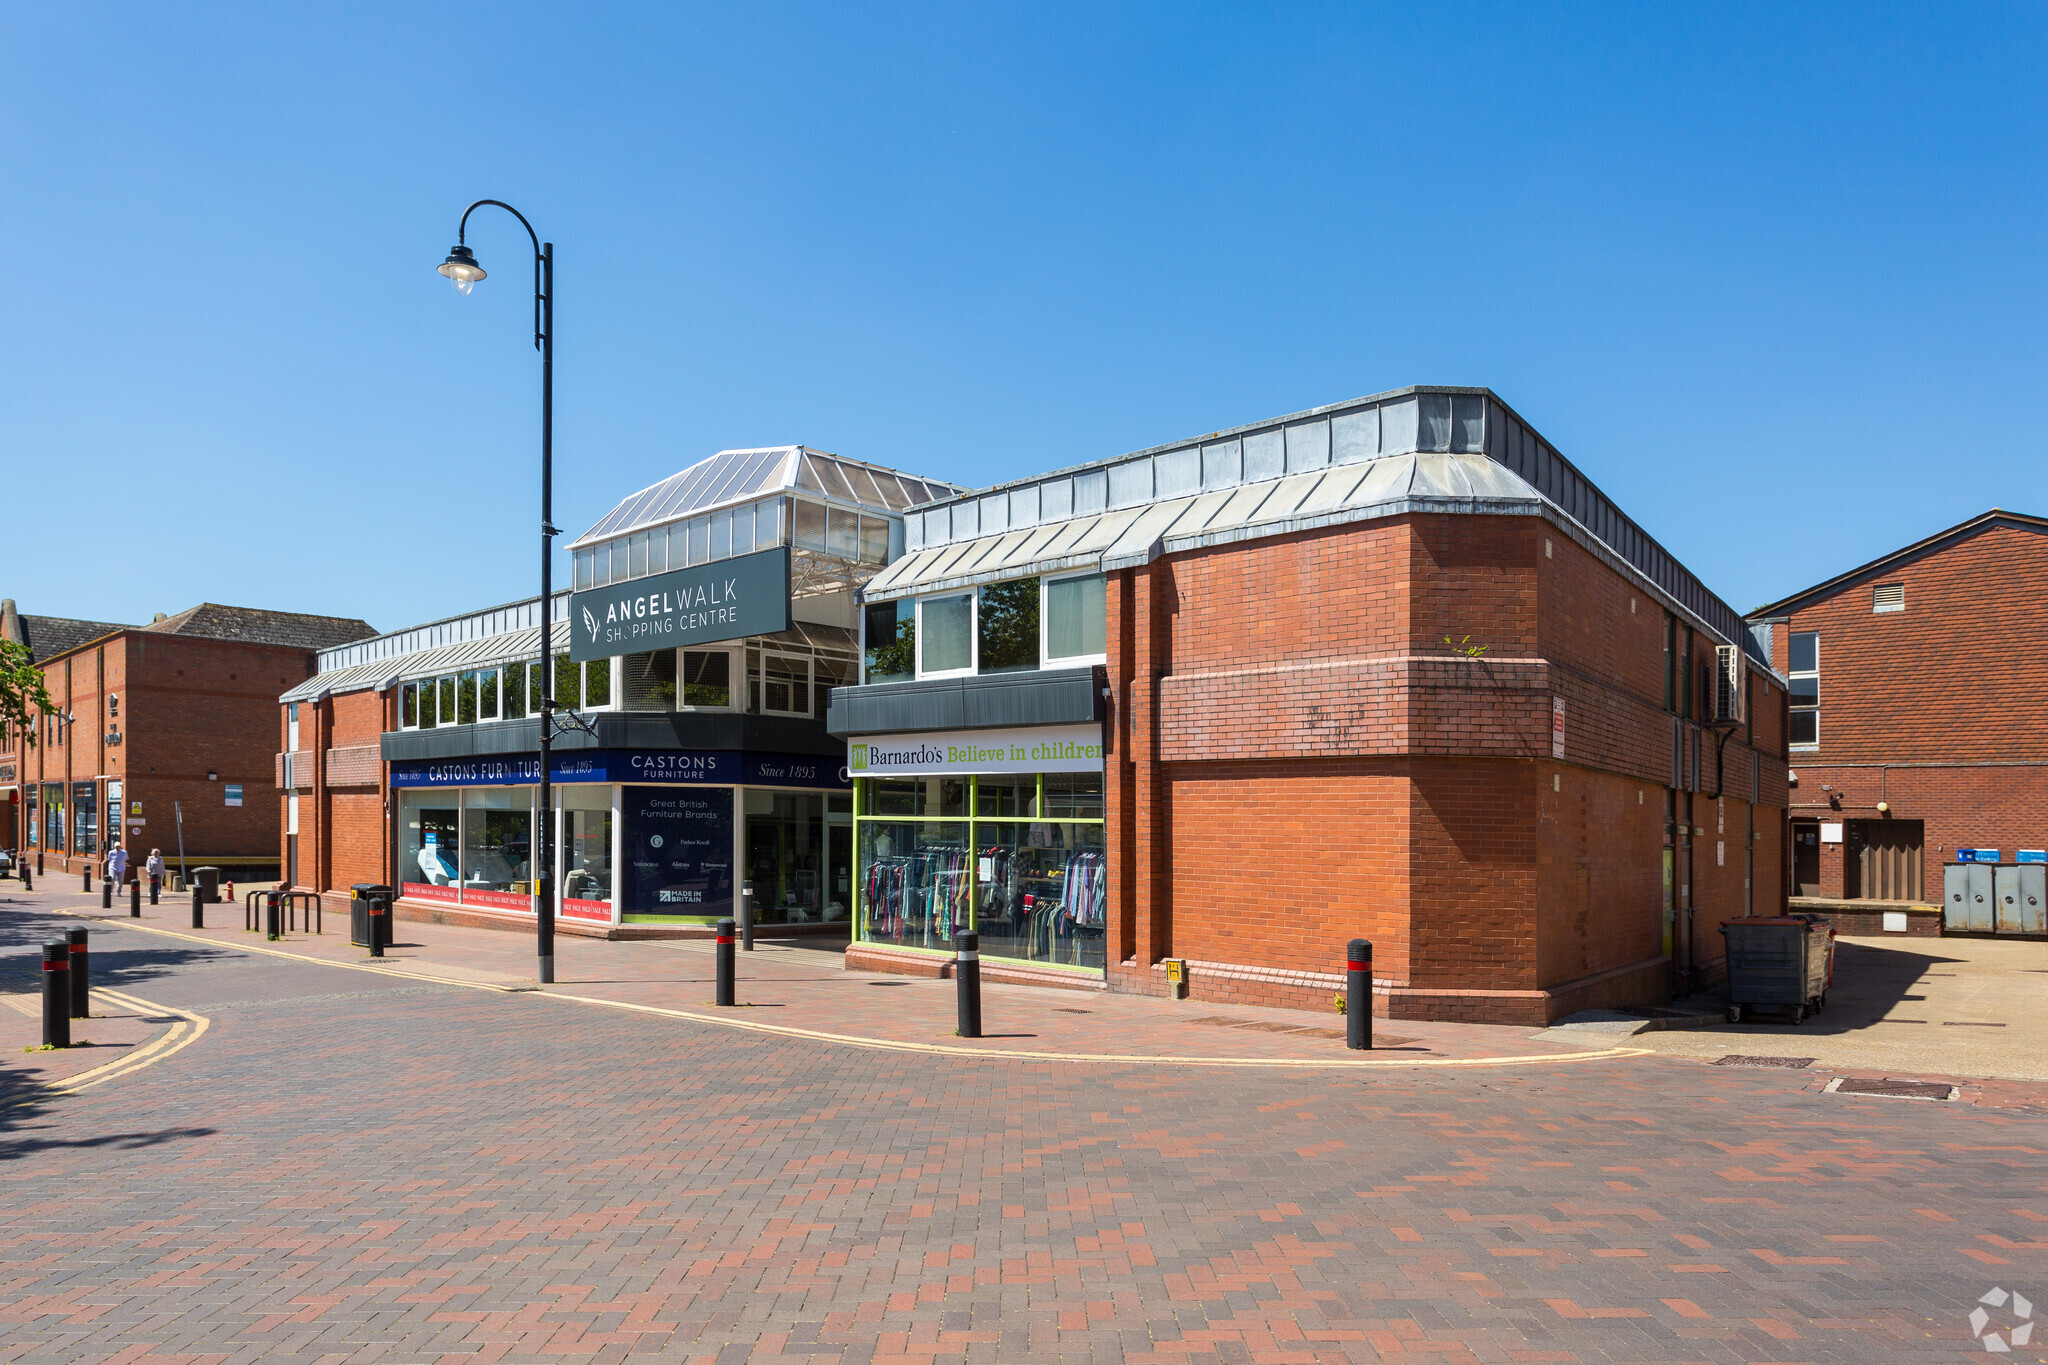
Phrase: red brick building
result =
(1393, 669)
(154, 724)
(1917, 723)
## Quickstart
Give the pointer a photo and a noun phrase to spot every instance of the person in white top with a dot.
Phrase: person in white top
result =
(155, 868)
(117, 866)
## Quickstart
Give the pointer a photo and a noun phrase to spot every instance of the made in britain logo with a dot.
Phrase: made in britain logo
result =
(2002, 1320)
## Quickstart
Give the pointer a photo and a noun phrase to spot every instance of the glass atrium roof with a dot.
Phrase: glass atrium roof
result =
(735, 476)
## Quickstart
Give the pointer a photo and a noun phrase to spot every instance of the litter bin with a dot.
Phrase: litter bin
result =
(207, 879)
(361, 923)
(360, 920)
(1777, 961)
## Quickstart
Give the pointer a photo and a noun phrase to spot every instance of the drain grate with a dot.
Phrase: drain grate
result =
(1962, 1023)
(1898, 1090)
(1058, 1009)
(1740, 1059)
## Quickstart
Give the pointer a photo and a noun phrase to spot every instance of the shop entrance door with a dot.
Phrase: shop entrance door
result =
(839, 870)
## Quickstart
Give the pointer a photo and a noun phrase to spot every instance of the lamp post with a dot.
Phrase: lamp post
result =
(462, 268)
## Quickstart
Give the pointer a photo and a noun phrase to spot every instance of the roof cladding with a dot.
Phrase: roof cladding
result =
(734, 476)
(1419, 449)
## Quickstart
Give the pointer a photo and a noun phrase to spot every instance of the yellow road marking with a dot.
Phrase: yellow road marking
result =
(175, 1039)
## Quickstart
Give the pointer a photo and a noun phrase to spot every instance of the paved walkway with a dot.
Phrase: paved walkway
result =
(801, 989)
(354, 1166)
(1922, 1006)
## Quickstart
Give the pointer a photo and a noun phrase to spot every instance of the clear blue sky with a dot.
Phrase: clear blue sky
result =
(1773, 276)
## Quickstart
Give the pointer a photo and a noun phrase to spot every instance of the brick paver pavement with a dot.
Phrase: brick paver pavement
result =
(352, 1167)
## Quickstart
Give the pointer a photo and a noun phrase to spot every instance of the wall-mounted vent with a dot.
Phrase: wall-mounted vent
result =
(1729, 682)
(1888, 597)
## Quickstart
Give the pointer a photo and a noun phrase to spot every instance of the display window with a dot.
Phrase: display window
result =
(586, 852)
(85, 818)
(497, 847)
(1026, 868)
(797, 862)
(430, 845)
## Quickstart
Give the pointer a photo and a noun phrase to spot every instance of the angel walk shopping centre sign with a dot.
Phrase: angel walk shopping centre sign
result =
(722, 600)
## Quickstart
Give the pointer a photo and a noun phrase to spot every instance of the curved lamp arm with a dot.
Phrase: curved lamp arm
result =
(462, 238)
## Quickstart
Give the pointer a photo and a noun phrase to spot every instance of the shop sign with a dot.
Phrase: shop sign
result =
(233, 793)
(1557, 727)
(665, 767)
(2033, 855)
(1025, 749)
(1976, 855)
(678, 848)
(723, 600)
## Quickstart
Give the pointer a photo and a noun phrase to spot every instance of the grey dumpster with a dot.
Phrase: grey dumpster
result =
(1776, 962)
(207, 879)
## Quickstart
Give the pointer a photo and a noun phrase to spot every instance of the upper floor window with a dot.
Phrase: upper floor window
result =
(1009, 627)
(1805, 677)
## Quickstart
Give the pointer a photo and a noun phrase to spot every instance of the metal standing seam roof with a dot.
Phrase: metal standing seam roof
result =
(510, 647)
(737, 476)
(1445, 450)
(1385, 487)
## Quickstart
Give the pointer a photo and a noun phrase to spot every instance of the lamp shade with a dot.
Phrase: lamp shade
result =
(461, 267)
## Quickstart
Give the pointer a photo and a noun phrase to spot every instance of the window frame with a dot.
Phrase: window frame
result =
(1045, 655)
(973, 596)
(735, 678)
(810, 664)
(1802, 746)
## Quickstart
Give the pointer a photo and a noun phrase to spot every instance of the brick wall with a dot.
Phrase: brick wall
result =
(1935, 710)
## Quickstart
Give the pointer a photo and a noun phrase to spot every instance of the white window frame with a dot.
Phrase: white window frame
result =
(735, 677)
(611, 702)
(1814, 673)
(1045, 658)
(973, 596)
(810, 681)
(492, 719)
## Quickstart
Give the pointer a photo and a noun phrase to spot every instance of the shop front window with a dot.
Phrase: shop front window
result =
(786, 859)
(497, 838)
(429, 840)
(587, 852)
(53, 817)
(85, 818)
(1026, 869)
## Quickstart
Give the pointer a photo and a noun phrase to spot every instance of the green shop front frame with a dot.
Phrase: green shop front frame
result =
(1018, 858)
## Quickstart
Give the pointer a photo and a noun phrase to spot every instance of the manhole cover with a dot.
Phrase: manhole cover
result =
(1898, 1090)
(1738, 1059)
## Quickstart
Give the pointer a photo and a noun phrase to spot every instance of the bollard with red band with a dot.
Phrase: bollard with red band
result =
(135, 900)
(56, 995)
(380, 924)
(80, 1009)
(1358, 995)
(726, 929)
(272, 913)
(967, 983)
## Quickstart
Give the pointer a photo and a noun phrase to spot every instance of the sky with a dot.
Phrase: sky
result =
(1760, 271)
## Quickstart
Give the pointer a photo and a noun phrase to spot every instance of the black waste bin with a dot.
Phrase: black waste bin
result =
(207, 879)
(361, 923)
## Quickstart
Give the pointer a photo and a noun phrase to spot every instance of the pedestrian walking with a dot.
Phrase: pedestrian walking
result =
(117, 866)
(155, 868)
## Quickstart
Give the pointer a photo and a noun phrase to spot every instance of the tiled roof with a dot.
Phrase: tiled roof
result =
(52, 635)
(216, 622)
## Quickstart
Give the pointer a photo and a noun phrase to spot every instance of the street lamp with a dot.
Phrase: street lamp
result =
(461, 267)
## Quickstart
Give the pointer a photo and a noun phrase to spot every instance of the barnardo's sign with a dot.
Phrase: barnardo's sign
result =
(723, 600)
(1034, 749)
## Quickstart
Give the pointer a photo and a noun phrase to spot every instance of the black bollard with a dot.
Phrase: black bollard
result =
(198, 908)
(28, 883)
(88, 879)
(967, 980)
(135, 900)
(272, 911)
(106, 894)
(1358, 995)
(154, 884)
(725, 962)
(56, 995)
(80, 1007)
(380, 925)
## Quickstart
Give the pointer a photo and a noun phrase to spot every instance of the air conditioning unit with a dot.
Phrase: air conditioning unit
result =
(1730, 675)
